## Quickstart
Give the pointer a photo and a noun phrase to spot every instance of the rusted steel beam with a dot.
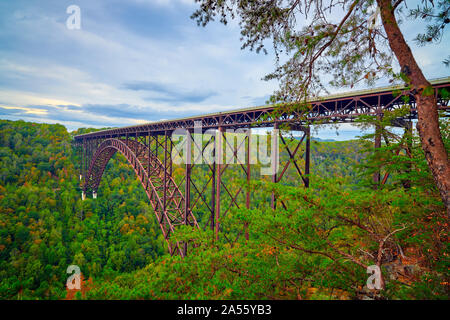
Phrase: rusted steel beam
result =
(247, 195)
(219, 160)
(307, 156)
(274, 162)
(213, 185)
(187, 189)
(165, 170)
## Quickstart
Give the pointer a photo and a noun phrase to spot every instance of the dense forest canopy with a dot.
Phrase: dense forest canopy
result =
(45, 227)
(316, 248)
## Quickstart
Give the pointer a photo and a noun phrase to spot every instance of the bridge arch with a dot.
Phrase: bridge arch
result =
(170, 212)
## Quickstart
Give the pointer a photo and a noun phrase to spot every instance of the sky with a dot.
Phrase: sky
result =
(138, 61)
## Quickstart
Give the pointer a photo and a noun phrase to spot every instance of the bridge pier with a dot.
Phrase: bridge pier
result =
(307, 156)
(213, 184)
(187, 190)
(218, 164)
(274, 162)
(247, 195)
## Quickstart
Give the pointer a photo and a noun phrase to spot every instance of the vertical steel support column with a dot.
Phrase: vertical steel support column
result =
(274, 158)
(170, 157)
(376, 175)
(307, 155)
(90, 145)
(86, 160)
(93, 148)
(88, 156)
(156, 146)
(79, 155)
(165, 171)
(219, 160)
(187, 189)
(90, 152)
(148, 154)
(213, 185)
(83, 174)
(85, 147)
(247, 196)
(136, 144)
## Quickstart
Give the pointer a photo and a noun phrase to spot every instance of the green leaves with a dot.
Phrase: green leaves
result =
(428, 91)
(437, 16)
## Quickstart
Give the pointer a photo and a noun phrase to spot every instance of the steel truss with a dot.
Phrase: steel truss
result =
(148, 149)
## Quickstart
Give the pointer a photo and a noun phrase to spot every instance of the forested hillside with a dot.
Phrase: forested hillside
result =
(316, 248)
(44, 225)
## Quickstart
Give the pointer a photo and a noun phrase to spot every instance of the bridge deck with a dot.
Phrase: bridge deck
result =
(343, 107)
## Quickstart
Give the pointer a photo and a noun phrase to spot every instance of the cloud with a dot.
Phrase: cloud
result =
(257, 101)
(10, 111)
(58, 113)
(91, 114)
(168, 93)
(126, 111)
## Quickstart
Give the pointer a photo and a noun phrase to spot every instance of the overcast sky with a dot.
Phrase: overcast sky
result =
(136, 61)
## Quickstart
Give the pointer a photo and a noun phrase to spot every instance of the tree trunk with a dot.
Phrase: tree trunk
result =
(428, 124)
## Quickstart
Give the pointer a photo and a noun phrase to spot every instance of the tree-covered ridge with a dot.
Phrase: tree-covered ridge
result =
(315, 248)
(44, 225)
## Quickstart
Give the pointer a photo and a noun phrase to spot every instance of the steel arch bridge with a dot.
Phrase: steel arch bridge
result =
(164, 195)
(148, 149)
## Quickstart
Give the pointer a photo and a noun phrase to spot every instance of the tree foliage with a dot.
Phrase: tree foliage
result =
(339, 44)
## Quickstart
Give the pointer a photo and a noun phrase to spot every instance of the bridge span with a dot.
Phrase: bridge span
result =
(149, 148)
